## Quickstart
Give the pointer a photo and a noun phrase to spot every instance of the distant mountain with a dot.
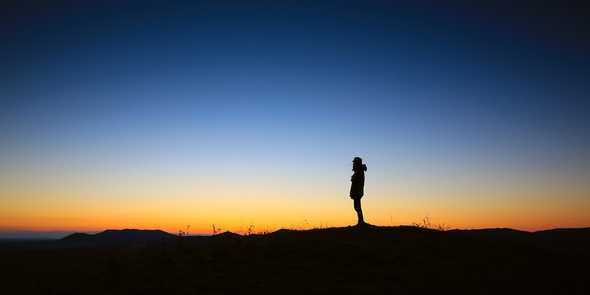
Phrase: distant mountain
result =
(32, 235)
(77, 237)
(112, 236)
(495, 233)
(562, 234)
(565, 232)
(137, 235)
(227, 235)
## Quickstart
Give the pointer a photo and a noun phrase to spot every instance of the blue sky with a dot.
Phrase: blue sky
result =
(240, 93)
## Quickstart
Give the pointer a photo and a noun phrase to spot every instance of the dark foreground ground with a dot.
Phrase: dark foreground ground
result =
(373, 260)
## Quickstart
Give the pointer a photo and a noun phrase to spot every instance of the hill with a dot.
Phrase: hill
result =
(125, 236)
(369, 260)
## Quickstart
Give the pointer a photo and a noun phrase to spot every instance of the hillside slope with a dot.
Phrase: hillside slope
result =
(373, 260)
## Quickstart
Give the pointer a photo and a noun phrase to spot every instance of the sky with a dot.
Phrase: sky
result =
(183, 115)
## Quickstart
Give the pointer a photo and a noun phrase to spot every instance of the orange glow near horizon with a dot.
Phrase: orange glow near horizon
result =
(264, 209)
(45, 195)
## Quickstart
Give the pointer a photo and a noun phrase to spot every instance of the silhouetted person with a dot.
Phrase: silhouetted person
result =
(357, 189)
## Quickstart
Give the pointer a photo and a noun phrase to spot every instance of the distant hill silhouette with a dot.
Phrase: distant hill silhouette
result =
(117, 237)
(569, 233)
(227, 235)
(78, 237)
(495, 233)
(344, 260)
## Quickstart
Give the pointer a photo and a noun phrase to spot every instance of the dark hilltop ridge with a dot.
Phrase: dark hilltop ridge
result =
(366, 260)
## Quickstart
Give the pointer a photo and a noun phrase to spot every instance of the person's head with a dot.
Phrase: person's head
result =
(357, 164)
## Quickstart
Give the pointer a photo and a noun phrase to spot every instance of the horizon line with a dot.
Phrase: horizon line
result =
(58, 234)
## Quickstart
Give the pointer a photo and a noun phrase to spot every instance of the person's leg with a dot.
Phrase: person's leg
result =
(359, 211)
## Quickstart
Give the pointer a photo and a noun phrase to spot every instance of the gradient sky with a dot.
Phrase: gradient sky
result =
(164, 115)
